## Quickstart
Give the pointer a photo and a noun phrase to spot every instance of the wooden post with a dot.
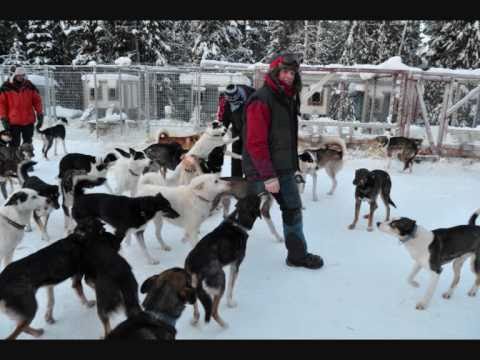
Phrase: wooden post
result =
(365, 101)
(423, 109)
(443, 116)
(455, 93)
(401, 105)
(476, 119)
(392, 99)
(467, 97)
(409, 106)
(372, 107)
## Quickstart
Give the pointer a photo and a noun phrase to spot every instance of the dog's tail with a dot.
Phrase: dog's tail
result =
(335, 140)
(473, 218)
(390, 201)
(81, 182)
(206, 300)
(23, 169)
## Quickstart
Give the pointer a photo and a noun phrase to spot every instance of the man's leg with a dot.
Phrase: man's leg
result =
(27, 133)
(16, 133)
(237, 163)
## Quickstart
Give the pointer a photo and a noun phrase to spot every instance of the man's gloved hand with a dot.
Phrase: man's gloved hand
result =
(39, 121)
(5, 123)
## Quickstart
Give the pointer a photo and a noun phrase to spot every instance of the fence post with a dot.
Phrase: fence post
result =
(476, 119)
(392, 99)
(372, 107)
(365, 101)
(54, 94)
(122, 125)
(47, 94)
(147, 101)
(95, 93)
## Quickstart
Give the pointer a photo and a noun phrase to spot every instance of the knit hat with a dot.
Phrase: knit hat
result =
(17, 70)
(285, 62)
(235, 96)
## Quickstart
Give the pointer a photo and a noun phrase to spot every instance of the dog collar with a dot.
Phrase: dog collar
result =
(409, 237)
(131, 172)
(13, 223)
(160, 316)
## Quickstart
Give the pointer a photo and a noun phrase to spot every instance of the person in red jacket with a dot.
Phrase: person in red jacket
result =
(20, 105)
(270, 154)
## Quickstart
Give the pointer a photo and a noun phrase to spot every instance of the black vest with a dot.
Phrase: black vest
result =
(283, 135)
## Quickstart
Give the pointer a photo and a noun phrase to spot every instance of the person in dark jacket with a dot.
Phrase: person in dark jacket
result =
(20, 105)
(270, 155)
(230, 112)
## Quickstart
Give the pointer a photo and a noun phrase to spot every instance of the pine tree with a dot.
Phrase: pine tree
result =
(181, 43)
(39, 42)
(454, 44)
(216, 40)
(330, 37)
(279, 39)
(256, 39)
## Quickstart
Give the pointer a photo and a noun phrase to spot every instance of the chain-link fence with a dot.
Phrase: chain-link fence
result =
(131, 97)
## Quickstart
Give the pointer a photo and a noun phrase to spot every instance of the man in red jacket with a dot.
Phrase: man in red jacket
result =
(270, 154)
(20, 104)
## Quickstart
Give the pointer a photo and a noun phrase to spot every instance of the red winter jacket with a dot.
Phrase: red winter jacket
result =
(17, 103)
(258, 128)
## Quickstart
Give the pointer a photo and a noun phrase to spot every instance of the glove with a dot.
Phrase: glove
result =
(6, 125)
(39, 121)
(272, 185)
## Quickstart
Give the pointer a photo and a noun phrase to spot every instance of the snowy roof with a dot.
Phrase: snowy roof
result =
(110, 76)
(392, 64)
(219, 79)
(123, 61)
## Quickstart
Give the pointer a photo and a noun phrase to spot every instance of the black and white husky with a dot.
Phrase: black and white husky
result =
(53, 134)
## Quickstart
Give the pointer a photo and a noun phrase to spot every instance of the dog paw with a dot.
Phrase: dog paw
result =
(166, 248)
(351, 226)
(420, 306)
(446, 295)
(37, 332)
(49, 319)
(28, 228)
(472, 293)
(370, 228)
(232, 303)
(414, 283)
(90, 303)
(194, 321)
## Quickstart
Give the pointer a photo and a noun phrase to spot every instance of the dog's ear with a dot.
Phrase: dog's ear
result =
(188, 294)
(199, 187)
(123, 153)
(148, 284)
(17, 198)
(131, 151)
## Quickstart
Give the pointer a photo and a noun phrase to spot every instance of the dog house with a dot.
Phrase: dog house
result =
(122, 92)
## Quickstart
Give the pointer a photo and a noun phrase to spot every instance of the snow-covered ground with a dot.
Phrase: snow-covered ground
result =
(361, 293)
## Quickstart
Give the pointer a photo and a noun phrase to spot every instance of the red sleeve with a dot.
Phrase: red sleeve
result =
(3, 104)
(258, 128)
(221, 108)
(37, 102)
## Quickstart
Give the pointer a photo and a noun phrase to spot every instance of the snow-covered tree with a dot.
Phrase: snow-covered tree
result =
(453, 44)
(39, 41)
(257, 38)
(216, 40)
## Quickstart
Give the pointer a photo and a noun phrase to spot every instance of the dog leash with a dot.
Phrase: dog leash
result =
(13, 223)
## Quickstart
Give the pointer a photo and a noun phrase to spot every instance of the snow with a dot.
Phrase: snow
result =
(109, 76)
(219, 79)
(361, 293)
(123, 61)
